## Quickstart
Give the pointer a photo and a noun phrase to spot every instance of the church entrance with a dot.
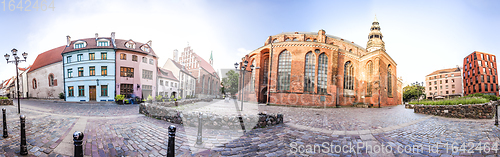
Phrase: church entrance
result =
(263, 95)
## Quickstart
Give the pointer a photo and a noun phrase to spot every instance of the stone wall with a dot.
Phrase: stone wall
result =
(476, 111)
(182, 102)
(6, 102)
(211, 121)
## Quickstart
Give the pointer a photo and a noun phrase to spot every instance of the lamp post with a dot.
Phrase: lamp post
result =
(243, 70)
(16, 61)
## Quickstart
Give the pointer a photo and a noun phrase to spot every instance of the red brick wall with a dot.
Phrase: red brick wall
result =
(335, 81)
(469, 87)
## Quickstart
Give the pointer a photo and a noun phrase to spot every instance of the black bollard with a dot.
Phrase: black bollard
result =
(496, 114)
(24, 147)
(77, 139)
(171, 141)
(279, 118)
(200, 125)
(5, 134)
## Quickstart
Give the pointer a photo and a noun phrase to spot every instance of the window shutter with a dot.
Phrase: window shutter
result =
(55, 82)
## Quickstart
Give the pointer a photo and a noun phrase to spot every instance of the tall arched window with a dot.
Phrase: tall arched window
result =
(252, 81)
(51, 80)
(265, 68)
(389, 81)
(322, 72)
(284, 70)
(309, 71)
(348, 78)
(34, 84)
(369, 67)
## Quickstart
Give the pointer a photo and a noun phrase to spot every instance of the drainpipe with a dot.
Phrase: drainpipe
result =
(269, 73)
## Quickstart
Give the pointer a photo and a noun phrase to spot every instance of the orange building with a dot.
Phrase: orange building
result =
(317, 69)
(480, 74)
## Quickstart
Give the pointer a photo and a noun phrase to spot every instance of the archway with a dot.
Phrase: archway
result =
(263, 95)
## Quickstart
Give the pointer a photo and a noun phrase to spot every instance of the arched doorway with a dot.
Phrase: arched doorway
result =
(263, 95)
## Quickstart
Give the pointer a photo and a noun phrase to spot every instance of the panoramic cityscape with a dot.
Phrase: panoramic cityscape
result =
(249, 78)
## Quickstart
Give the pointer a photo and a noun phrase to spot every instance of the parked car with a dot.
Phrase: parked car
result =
(133, 99)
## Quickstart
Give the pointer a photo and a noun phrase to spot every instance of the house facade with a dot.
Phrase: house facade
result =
(185, 77)
(45, 77)
(167, 83)
(136, 65)
(480, 74)
(89, 66)
(444, 83)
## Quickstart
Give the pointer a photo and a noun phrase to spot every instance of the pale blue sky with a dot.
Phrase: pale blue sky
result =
(421, 36)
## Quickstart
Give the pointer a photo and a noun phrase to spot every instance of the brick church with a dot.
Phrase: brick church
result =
(317, 69)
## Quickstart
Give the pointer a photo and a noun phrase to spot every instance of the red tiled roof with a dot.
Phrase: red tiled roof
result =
(48, 57)
(205, 65)
(120, 44)
(444, 71)
(169, 74)
(24, 69)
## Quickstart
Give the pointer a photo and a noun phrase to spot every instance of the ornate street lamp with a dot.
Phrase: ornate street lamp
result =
(243, 70)
(16, 61)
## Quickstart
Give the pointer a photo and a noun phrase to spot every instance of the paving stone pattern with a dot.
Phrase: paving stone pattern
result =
(116, 130)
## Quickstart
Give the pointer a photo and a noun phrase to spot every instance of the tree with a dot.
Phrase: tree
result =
(230, 83)
(222, 88)
(413, 92)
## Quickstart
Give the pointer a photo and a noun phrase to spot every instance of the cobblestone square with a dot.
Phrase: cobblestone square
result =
(119, 130)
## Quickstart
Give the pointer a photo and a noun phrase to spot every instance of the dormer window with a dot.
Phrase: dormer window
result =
(80, 44)
(295, 39)
(145, 48)
(102, 42)
(308, 39)
(288, 39)
(130, 45)
(275, 40)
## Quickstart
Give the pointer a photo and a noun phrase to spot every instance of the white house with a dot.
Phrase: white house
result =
(167, 83)
(45, 77)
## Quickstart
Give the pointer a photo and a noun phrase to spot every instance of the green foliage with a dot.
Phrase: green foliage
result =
(171, 97)
(150, 97)
(179, 98)
(412, 92)
(230, 83)
(158, 97)
(61, 95)
(126, 101)
(489, 97)
(3, 97)
(188, 96)
(456, 101)
(119, 97)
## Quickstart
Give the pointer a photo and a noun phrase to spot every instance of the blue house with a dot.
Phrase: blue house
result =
(89, 69)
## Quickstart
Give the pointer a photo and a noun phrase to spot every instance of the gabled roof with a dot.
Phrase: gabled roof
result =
(91, 44)
(164, 73)
(120, 44)
(24, 69)
(181, 67)
(205, 65)
(444, 71)
(48, 57)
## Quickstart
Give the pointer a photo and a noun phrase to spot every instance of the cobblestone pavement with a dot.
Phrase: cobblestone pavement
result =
(115, 130)
(346, 118)
(80, 109)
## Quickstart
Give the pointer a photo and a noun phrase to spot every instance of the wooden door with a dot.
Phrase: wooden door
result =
(92, 93)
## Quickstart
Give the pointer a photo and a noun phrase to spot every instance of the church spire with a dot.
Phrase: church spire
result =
(375, 41)
(211, 60)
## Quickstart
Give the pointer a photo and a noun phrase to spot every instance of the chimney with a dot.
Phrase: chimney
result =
(68, 40)
(96, 36)
(149, 43)
(113, 38)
